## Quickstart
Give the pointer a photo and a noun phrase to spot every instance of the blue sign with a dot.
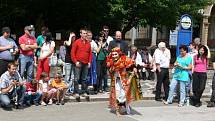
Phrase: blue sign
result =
(185, 32)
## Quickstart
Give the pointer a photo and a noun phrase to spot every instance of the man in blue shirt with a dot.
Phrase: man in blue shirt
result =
(8, 49)
(11, 87)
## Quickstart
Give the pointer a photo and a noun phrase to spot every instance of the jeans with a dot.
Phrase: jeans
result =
(5, 99)
(33, 98)
(69, 76)
(81, 78)
(172, 87)
(26, 63)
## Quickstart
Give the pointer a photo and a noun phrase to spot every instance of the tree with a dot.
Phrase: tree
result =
(156, 13)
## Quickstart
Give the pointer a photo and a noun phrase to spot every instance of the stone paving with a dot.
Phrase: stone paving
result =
(148, 86)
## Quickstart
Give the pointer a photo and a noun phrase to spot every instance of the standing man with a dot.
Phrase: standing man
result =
(82, 57)
(41, 40)
(162, 60)
(92, 71)
(8, 49)
(69, 65)
(212, 100)
(118, 42)
(106, 31)
(28, 44)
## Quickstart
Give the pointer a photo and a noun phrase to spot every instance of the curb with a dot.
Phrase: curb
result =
(106, 98)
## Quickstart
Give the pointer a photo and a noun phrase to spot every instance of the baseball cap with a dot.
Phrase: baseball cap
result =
(161, 45)
(29, 28)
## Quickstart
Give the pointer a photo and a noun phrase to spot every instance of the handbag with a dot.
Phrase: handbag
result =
(53, 60)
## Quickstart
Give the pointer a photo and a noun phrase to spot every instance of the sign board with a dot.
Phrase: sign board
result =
(173, 36)
(58, 36)
(184, 32)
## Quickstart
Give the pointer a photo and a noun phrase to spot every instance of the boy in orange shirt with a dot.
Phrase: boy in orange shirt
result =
(61, 88)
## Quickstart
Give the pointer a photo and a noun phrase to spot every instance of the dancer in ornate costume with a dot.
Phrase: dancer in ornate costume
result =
(125, 85)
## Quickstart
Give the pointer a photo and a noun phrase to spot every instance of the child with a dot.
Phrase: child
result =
(32, 95)
(47, 92)
(61, 88)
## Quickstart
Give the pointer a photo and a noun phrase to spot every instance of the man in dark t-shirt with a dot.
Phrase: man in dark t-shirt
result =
(69, 65)
(212, 100)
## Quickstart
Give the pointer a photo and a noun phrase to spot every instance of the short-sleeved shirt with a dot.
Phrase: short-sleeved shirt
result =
(182, 74)
(27, 40)
(59, 84)
(6, 54)
(6, 79)
(94, 46)
(162, 58)
(45, 86)
(45, 49)
(40, 41)
(200, 65)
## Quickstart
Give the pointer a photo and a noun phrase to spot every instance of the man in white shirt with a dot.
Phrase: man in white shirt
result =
(162, 60)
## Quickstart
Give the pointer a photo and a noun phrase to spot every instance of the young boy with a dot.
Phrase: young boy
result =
(31, 94)
(61, 88)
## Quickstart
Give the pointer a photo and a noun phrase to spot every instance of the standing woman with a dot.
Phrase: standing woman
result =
(46, 51)
(199, 76)
(182, 66)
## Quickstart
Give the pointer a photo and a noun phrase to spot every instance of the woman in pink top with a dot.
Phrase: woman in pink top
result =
(199, 76)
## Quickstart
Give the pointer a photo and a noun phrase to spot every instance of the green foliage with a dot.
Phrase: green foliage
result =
(64, 15)
(156, 13)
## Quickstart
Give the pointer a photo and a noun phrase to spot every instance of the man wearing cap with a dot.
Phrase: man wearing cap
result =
(8, 49)
(28, 44)
(162, 60)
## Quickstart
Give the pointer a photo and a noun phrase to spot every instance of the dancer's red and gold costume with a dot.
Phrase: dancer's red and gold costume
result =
(125, 85)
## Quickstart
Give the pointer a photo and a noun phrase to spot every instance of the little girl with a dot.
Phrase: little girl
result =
(60, 87)
(47, 92)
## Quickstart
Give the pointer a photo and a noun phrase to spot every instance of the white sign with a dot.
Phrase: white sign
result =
(186, 22)
(58, 36)
(173, 37)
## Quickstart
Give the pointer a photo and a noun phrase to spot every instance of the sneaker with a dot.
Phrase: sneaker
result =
(78, 99)
(166, 102)
(180, 105)
(22, 106)
(43, 103)
(84, 95)
(211, 104)
(36, 103)
(50, 102)
(57, 103)
(62, 102)
(158, 99)
(28, 103)
(87, 98)
(198, 105)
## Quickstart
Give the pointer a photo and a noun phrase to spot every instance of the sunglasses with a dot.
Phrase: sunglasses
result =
(105, 30)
